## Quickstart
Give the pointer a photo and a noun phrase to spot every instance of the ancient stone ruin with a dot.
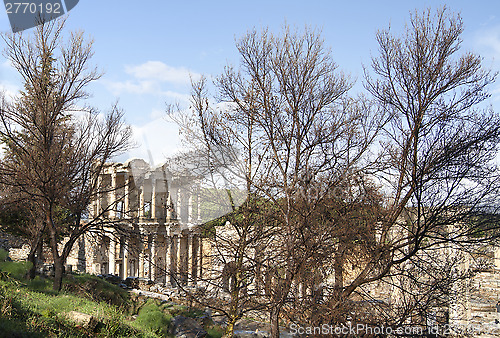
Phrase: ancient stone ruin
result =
(153, 230)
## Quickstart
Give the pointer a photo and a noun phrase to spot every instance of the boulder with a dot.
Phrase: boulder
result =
(84, 320)
(185, 327)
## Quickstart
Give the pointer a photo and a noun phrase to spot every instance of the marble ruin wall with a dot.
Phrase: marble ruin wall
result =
(160, 216)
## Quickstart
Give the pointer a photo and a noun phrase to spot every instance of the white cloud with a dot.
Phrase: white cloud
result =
(159, 71)
(153, 78)
(488, 41)
(10, 90)
(140, 87)
(156, 140)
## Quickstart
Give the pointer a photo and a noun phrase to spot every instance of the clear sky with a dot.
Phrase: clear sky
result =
(147, 49)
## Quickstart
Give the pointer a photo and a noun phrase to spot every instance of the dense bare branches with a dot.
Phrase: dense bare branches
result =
(441, 143)
(286, 129)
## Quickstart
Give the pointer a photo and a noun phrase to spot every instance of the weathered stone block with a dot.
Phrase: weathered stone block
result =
(186, 327)
(87, 321)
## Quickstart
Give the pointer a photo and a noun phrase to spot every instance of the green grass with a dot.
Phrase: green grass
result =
(33, 309)
(16, 270)
(152, 319)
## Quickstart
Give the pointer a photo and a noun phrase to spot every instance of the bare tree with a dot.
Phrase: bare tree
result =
(441, 142)
(430, 190)
(285, 116)
(55, 150)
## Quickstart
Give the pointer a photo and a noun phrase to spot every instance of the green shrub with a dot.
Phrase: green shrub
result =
(215, 331)
(153, 319)
(39, 284)
(3, 255)
(16, 270)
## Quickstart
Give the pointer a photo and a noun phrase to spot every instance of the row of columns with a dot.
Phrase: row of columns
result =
(164, 259)
(151, 193)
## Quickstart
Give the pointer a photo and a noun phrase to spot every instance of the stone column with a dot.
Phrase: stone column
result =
(126, 202)
(99, 196)
(168, 206)
(141, 202)
(125, 259)
(112, 195)
(198, 202)
(190, 208)
(179, 202)
(168, 259)
(141, 254)
(152, 258)
(174, 259)
(153, 197)
(200, 255)
(183, 259)
(189, 256)
(194, 259)
(112, 254)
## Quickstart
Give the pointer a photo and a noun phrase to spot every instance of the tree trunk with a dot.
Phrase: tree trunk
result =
(34, 256)
(39, 253)
(58, 273)
(229, 328)
(32, 259)
(275, 322)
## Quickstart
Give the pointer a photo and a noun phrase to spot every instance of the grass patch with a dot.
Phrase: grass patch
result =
(96, 289)
(16, 270)
(153, 319)
(30, 308)
(33, 309)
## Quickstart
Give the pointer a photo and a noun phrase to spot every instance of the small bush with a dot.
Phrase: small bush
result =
(16, 270)
(215, 331)
(3, 255)
(39, 284)
(153, 319)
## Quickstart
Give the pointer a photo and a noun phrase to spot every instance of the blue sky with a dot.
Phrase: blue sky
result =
(148, 49)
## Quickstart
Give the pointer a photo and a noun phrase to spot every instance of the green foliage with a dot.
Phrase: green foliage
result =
(33, 309)
(16, 270)
(215, 331)
(39, 284)
(153, 319)
(3, 255)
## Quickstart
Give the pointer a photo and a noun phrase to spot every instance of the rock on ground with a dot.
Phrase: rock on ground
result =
(82, 319)
(185, 327)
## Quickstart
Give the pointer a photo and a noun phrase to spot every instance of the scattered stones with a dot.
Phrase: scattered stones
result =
(251, 334)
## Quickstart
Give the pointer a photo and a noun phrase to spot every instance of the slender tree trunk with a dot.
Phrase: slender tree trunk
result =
(39, 253)
(32, 258)
(58, 273)
(35, 255)
(275, 323)
(230, 327)
(58, 259)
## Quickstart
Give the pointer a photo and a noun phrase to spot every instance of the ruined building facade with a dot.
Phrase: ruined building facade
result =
(153, 230)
